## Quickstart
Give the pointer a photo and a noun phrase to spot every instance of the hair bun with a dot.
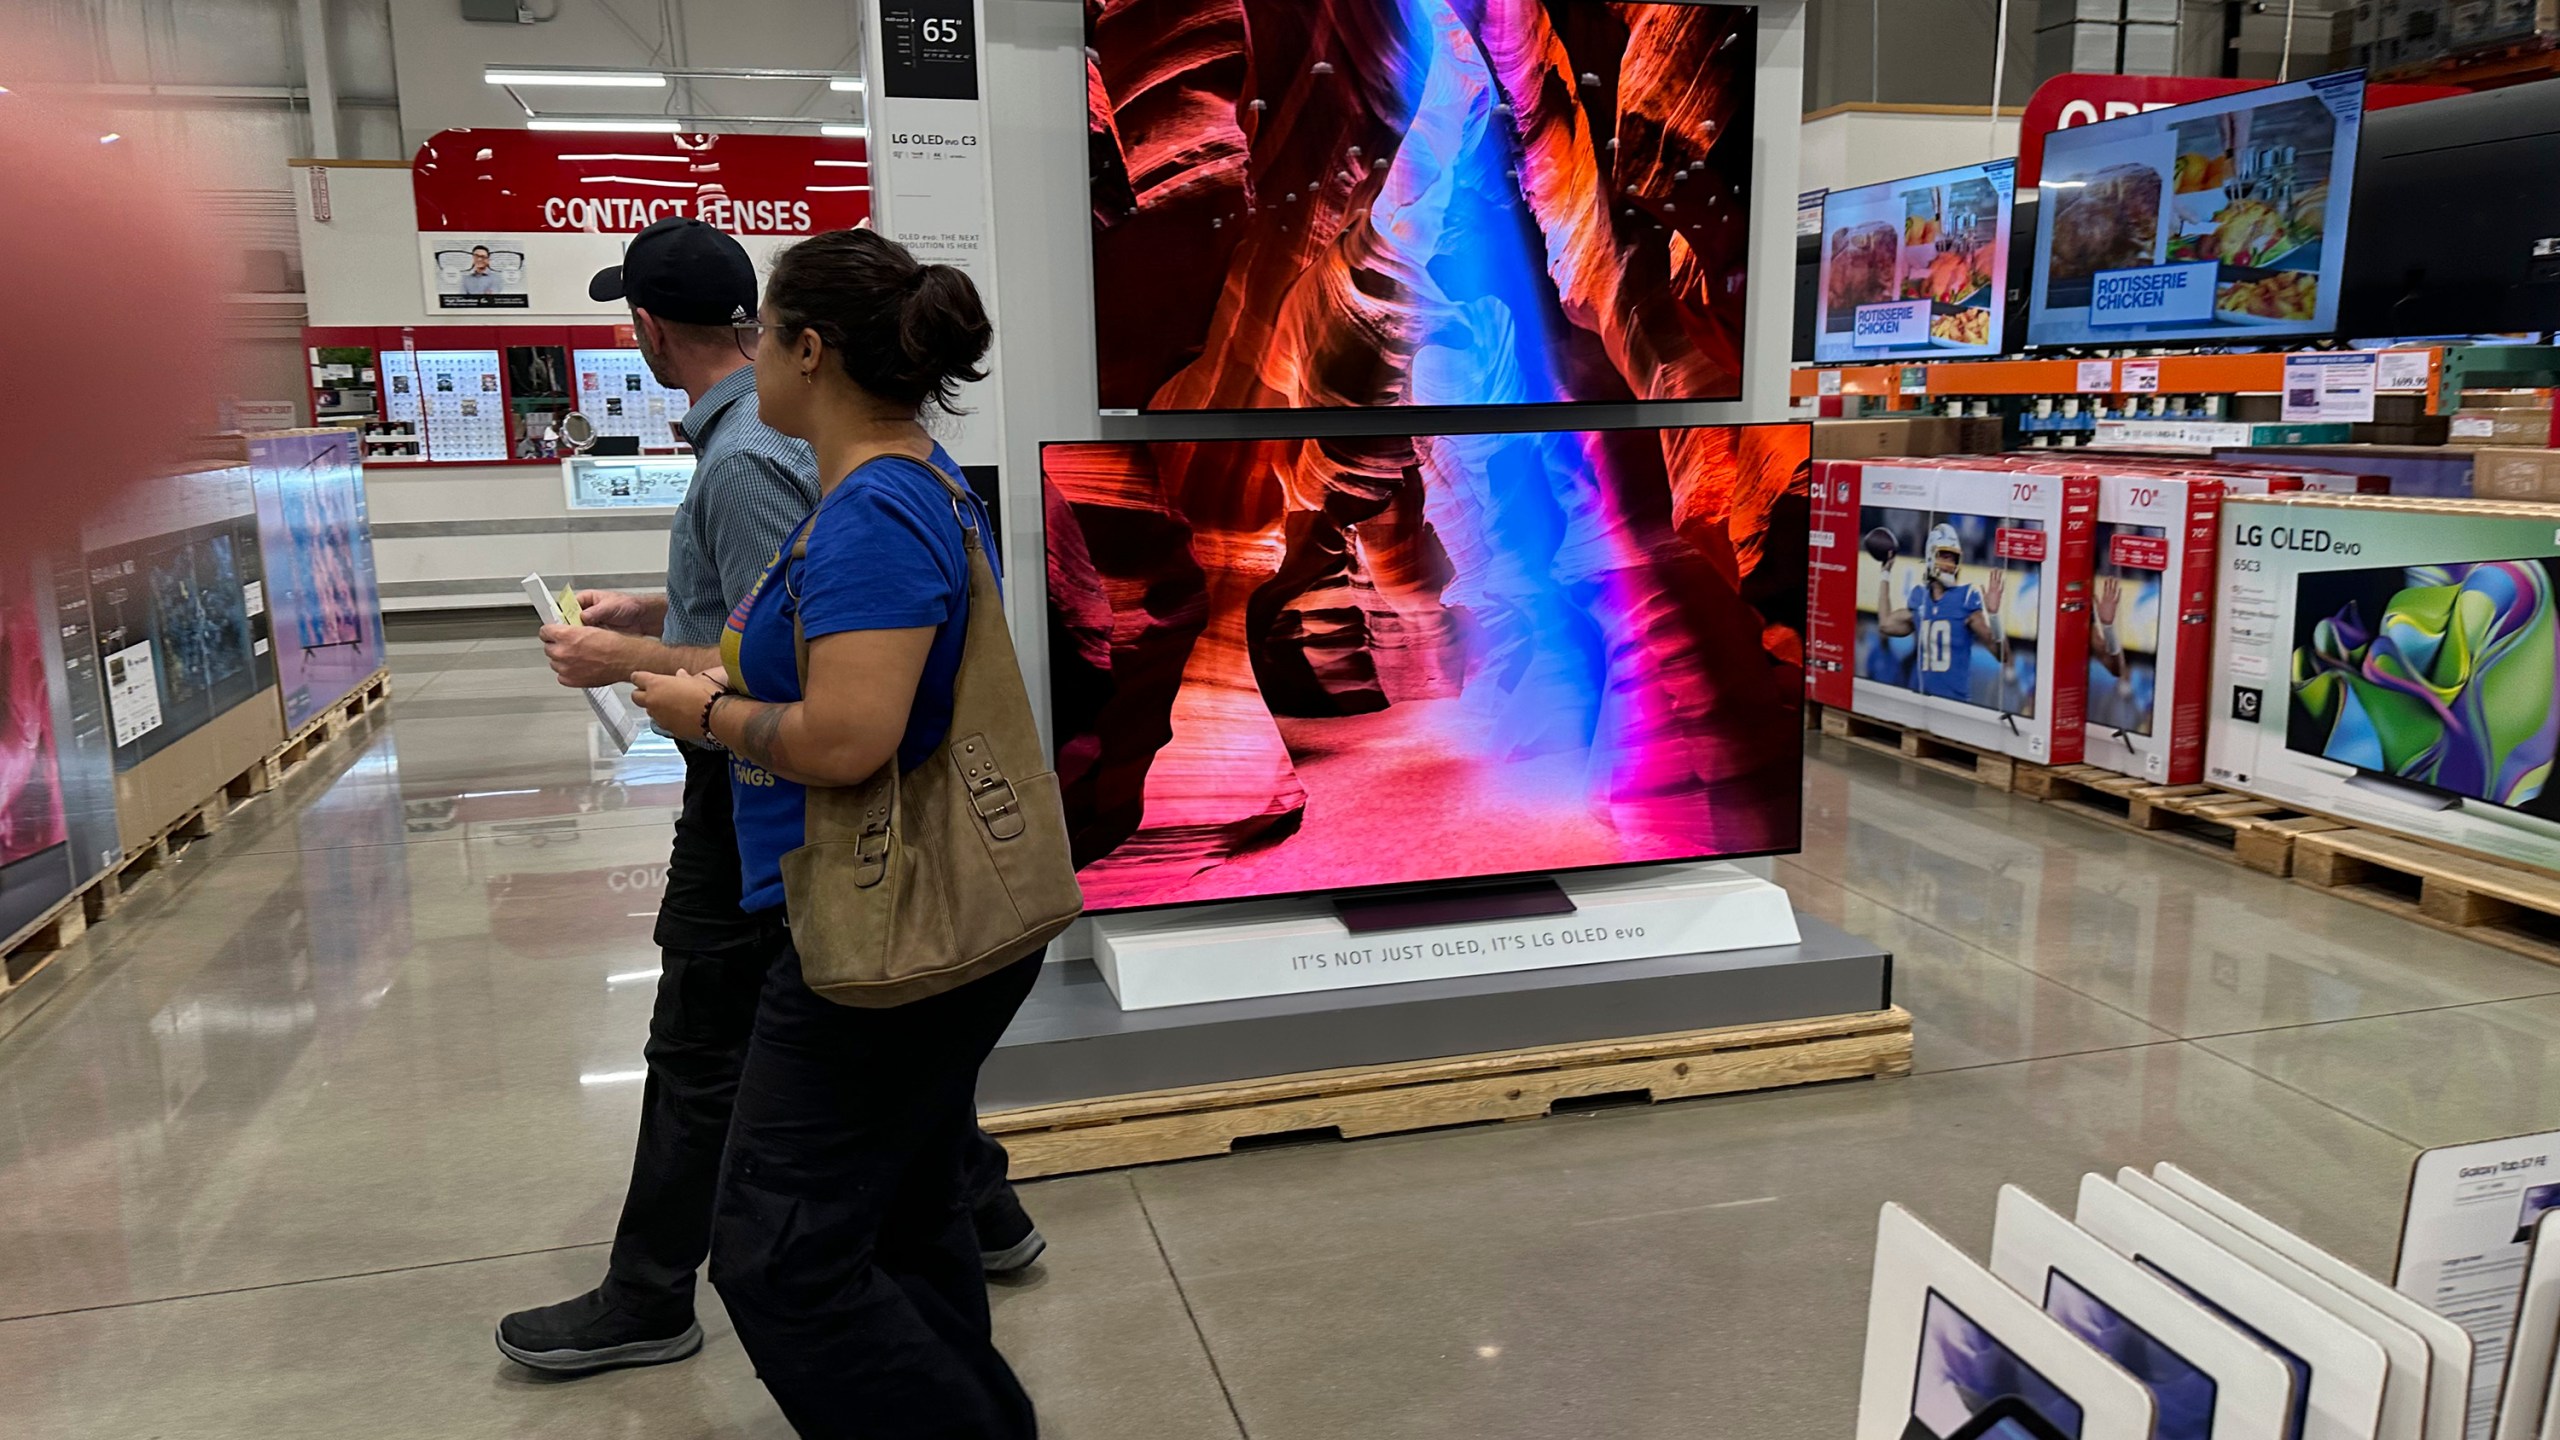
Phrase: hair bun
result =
(910, 333)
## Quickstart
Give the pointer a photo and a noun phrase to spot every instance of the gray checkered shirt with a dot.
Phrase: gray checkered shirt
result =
(750, 486)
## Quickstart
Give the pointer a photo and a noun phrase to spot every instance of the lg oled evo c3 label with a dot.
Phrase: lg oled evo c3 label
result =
(929, 49)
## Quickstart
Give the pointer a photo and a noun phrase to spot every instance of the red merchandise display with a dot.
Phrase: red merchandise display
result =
(1952, 596)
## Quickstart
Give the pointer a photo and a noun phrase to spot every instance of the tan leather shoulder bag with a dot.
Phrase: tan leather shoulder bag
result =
(908, 885)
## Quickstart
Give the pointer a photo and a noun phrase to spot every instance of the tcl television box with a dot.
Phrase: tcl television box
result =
(2150, 617)
(2390, 661)
(1953, 598)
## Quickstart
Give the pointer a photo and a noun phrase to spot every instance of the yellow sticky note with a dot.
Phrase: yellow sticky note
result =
(569, 606)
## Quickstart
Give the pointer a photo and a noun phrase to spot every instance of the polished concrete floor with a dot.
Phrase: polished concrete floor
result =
(279, 1143)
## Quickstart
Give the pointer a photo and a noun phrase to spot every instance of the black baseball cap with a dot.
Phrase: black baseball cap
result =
(683, 270)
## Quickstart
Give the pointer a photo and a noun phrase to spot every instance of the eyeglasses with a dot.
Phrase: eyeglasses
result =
(750, 334)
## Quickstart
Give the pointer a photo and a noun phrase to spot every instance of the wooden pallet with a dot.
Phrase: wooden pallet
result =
(1929, 752)
(31, 949)
(1461, 1090)
(319, 733)
(2203, 818)
(2507, 906)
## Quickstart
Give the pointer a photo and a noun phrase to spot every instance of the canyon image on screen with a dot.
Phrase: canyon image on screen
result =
(1290, 666)
(1310, 204)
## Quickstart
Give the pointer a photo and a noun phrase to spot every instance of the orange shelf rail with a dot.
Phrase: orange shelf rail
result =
(2178, 375)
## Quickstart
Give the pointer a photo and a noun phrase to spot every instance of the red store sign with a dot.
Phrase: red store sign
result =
(533, 182)
(2066, 101)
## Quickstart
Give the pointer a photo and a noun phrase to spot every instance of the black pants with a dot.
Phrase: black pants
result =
(715, 961)
(842, 1242)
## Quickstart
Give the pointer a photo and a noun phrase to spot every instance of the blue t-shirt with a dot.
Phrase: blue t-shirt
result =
(885, 553)
(1943, 653)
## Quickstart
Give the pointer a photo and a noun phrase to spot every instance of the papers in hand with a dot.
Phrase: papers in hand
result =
(622, 716)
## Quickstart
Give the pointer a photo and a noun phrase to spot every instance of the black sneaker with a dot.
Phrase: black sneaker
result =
(1007, 1240)
(577, 1336)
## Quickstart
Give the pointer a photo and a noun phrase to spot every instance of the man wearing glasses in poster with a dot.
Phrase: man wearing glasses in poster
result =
(692, 292)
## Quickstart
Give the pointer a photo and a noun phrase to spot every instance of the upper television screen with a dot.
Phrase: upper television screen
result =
(1314, 204)
(1917, 266)
(2441, 675)
(1287, 666)
(2224, 221)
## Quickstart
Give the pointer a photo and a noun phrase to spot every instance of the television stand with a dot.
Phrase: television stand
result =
(1238, 950)
(2417, 797)
(1420, 908)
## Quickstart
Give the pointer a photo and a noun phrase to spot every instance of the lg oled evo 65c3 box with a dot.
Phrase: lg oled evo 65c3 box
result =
(178, 609)
(1952, 597)
(2391, 661)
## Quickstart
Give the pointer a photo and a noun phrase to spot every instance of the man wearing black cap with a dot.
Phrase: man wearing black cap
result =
(692, 293)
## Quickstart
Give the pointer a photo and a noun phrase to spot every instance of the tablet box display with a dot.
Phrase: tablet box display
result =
(1953, 598)
(2390, 661)
(177, 598)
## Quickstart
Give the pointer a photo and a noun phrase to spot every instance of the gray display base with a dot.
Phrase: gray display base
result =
(1072, 1040)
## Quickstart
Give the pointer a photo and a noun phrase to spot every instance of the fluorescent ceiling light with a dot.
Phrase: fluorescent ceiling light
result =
(834, 189)
(614, 79)
(838, 164)
(637, 180)
(845, 82)
(843, 132)
(630, 124)
(109, 138)
(621, 155)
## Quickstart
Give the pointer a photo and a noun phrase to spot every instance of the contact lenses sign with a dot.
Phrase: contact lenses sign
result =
(517, 220)
(2154, 294)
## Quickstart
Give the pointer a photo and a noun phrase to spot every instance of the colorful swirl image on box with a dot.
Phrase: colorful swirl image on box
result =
(1947, 607)
(1286, 666)
(2441, 675)
(319, 560)
(1352, 203)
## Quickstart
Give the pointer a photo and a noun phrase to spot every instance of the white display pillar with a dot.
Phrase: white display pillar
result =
(1243, 951)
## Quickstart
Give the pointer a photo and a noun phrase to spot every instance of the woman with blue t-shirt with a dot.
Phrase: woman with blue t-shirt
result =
(842, 1243)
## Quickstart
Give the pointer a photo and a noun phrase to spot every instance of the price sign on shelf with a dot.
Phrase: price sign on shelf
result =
(1826, 382)
(2401, 371)
(2097, 376)
(1915, 380)
(2140, 377)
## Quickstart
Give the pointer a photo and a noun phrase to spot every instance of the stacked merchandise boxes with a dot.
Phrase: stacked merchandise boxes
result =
(2125, 688)
(1950, 596)
(2391, 661)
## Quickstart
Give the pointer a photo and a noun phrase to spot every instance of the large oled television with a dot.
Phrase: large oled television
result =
(2438, 676)
(1315, 204)
(2224, 221)
(1282, 667)
(1916, 267)
(2455, 221)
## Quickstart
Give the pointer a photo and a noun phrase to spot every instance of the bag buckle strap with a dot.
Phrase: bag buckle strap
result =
(871, 847)
(990, 794)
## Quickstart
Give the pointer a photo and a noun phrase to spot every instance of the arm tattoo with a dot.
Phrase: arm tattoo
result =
(762, 732)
